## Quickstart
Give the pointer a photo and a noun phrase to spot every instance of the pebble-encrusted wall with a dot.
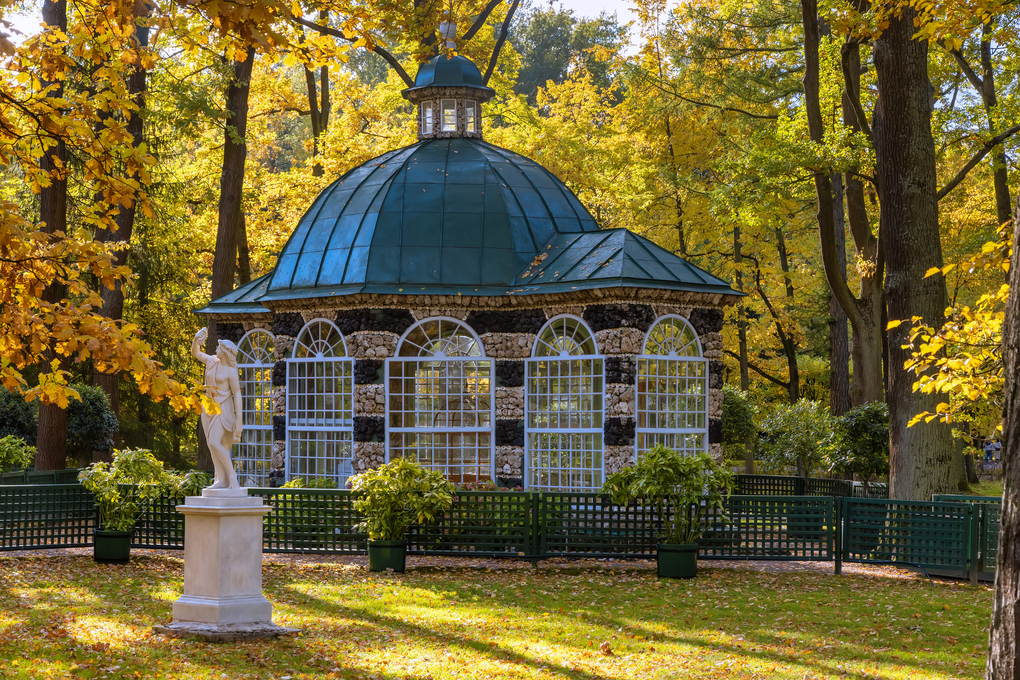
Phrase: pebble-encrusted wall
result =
(508, 336)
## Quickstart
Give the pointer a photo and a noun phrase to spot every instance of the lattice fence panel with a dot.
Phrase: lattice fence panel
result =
(769, 485)
(933, 535)
(480, 522)
(310, 521)
(590, 524)
(160, 526)
(46, 516)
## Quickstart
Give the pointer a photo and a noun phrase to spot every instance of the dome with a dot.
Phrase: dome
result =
(445, 71)
(452, 214)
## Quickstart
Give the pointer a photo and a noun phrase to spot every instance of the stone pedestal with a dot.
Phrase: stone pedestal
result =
(222, 597)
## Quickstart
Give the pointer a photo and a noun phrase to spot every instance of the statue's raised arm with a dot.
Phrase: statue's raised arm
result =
(223, 429)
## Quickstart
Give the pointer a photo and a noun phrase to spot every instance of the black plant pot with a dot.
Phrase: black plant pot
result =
(678, 561)
(383, 555)
(111, 547)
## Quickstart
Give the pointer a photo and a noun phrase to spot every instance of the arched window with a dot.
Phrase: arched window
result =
(320, 418)
(253, 455)
(440, 408)
(672, 389)
(563, 409)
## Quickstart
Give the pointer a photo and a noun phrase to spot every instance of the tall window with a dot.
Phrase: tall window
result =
(320, 419)
(426, 118)
(672, 389)
(440, 404)
(449, 115)
(470, 121)
(563, 399)
(253, 455)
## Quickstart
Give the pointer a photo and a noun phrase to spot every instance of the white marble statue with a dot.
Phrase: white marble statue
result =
(224, 429)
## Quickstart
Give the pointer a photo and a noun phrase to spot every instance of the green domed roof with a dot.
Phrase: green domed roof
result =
(453, 214)
(445, 71)
(458, 217)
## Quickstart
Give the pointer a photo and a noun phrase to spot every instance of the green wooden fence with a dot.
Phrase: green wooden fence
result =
(954, 536)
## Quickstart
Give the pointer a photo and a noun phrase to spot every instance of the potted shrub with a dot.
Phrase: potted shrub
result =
(123, 490)
(392, 498)
(680, 488)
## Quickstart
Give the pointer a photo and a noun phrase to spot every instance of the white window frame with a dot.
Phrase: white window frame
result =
(597, 413)
(335, 432)
(425, 431)
(426, 118)
(470, 115)
(691, 364)
(443, 126)
(253, 455)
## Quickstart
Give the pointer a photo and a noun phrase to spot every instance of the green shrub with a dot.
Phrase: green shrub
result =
(737, 423)
(860, 442)
(397, 495)
(18, 418)
(15, 454)
(313, 483)
(794, 435)
(664, 479)
(127, 486)
(91, 424)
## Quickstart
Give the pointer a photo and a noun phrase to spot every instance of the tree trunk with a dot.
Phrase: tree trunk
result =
(318, 105)
(745, 376)
(788, 340)
(839, 340)
(113, 300)
(1002, 638)
(1000, 179)
(243, 254)
(921, 457)
(231, 219)
(51, 439)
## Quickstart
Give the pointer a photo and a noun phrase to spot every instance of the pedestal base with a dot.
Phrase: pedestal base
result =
(226, 632)
(222, 598)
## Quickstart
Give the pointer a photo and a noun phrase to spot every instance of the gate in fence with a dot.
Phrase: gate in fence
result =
(952, 535)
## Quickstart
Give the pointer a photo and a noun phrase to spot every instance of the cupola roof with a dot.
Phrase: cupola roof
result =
(443, 71)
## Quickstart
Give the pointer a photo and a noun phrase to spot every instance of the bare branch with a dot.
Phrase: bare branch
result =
(982, 152)
(480, 21)
(327, 30)
(499, 43)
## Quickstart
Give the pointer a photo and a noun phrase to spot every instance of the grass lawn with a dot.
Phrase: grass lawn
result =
(987, 488)
(69, 617)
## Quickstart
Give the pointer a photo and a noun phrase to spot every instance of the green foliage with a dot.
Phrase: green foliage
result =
(666, 479)
(15, 454)
(860, 442)
(126, 487)
(17, 417)
(91, 424)
(313, 483)
(396, 495)
(737, 422)
(794, 435)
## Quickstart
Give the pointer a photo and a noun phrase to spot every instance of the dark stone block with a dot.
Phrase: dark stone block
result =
(279, 428)
(287, 323)
(510, 482)
(229, 331)
(509, 433)
(369, 428)
(715, 380)
(619, 431)
(621, 370)
(706, 320)
(279, 374)
(277, 478)
(367, 319)
(511, 321)
(602, 317)
(714, 431)
(509, 373)
(368, 371)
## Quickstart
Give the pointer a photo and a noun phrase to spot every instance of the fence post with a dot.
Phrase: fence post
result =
(837, 529)
(975, 532)
(536, 526)
(800, 486)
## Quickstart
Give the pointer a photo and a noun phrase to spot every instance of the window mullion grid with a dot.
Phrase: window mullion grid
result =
(662, 401)
(564, 448)
(320, 419)
(428, 396)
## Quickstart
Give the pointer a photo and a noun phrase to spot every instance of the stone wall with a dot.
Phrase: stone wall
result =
(508, 336)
